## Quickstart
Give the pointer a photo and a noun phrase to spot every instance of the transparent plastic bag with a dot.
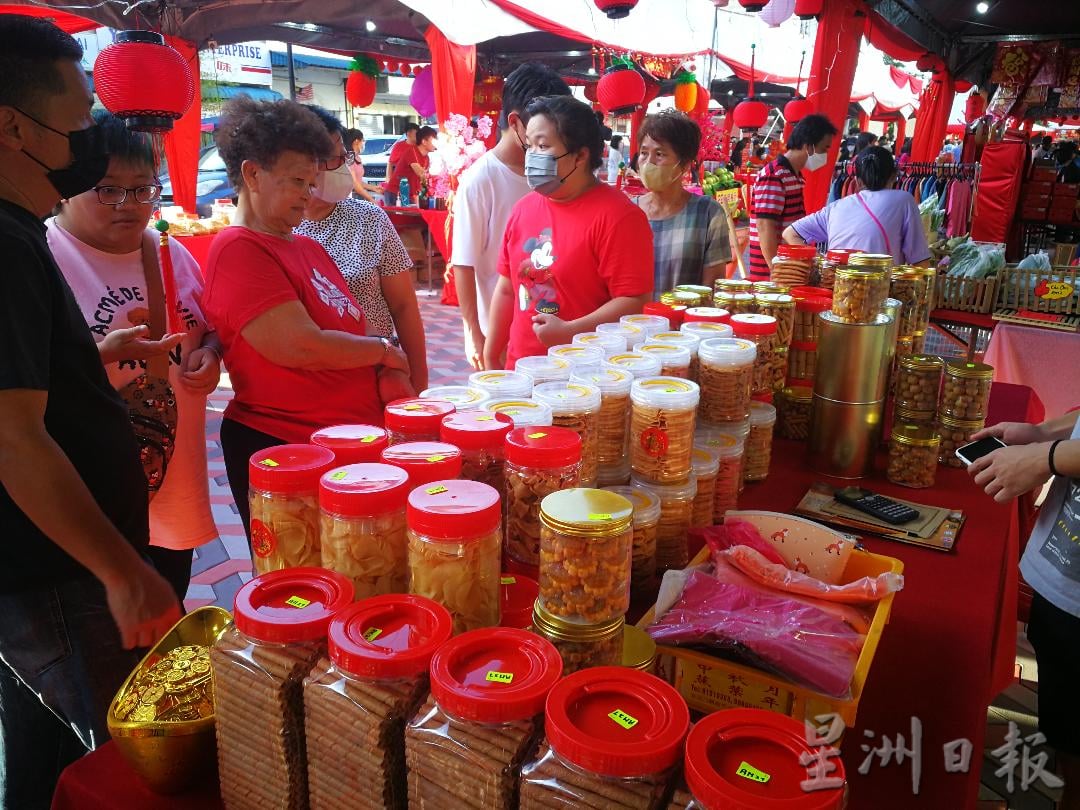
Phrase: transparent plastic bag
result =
(549, 781)
(734, 532)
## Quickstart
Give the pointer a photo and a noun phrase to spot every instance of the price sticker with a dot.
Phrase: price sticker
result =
(414, 406)
(269, 462)
(433, 459)
(437, 490)
(537, 435)
(372, 633)
(499, 677)
(599, 516)
(623, 719)
(508, 580)
(297, 602)
(487, 418)
(748, 771)
(512, 412)
(368, 439)
(339, 475)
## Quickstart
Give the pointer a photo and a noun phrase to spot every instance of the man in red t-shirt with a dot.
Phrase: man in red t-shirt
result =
(411, 165)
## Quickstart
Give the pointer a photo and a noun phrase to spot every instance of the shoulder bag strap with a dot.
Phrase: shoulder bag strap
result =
(155, 299)
(885, 236)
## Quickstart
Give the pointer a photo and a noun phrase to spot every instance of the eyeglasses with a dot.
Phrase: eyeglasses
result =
(336, 162)
(117, 195)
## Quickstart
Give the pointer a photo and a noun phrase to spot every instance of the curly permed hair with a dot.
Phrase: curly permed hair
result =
(263, 130)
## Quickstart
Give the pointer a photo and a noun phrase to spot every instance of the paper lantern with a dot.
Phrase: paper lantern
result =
(359, 89)
(143, 81)
(392, 66)
(750, 114)
(416, 70)
(777, 11)
(808, 9)
(620, 90)
(797, 109)
(406, 69)
(752, 5)
(422, 95)
(615, 9)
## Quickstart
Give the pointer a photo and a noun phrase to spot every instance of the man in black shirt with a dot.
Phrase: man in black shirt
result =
(76, 596)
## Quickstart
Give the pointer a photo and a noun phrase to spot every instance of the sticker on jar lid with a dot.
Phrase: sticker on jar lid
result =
(372, 633)
(599, 516)
(413, 406)
(536, 435)
(435, 458)
(484, 418)
(438, 490)
(507, 580)
(368, 439)
(499, 677)
(297, 602)
(512, 412)
(748, 771)
(339, 475)
(623, 719)
(269, 462)
(263, 539)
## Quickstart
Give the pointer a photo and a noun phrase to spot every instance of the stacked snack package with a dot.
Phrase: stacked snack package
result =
(726, 378)
(415, 419)
(759, 443)
(481, 437)
(729, 474)
(676, 514)
(770, 361)
(576, 406)
(351, 444)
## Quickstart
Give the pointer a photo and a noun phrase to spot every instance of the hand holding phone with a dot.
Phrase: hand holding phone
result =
(977, 449)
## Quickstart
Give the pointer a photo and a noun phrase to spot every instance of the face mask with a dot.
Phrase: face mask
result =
(334, 186)
(542, 172)
(816, 161)
(86, 170)
(655, 178)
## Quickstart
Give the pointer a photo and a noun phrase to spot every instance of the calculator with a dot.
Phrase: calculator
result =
(878, 506)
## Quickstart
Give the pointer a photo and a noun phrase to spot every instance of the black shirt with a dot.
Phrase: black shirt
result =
(45, 346)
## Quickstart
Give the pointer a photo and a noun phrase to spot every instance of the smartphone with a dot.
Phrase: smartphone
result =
(969, 452)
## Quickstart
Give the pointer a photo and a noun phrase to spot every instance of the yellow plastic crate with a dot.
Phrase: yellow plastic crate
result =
(710, 684)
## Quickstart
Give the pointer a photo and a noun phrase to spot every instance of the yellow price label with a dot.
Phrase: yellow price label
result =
(512, 412)
(537, 435)
(599, 516)
(499, 677)
(372, 633)
(368, 439)
(269, 462)
(487, 418)
(623, 719)
(437, 490)
(339, 475)
(433, 459)
(508, 580)
(748, 771)
(414, 406)
(297, 602)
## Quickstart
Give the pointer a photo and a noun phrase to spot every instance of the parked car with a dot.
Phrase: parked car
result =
(376, 156)
(212, 183)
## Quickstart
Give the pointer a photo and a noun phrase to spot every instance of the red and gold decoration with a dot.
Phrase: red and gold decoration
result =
(974, 107)
(621, 89)
(750, 113)
(809, 9)
(701, 105)
(487, 96)
(360, 86)
(143, 81)
(686, 88)
(615, 9)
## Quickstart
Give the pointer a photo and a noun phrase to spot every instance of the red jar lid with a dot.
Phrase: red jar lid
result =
(724, 743)
(417, 415)
(707, 315)
(841, 255)
(391, 636)
(804, 252)
(351, 444)
(746, 325)
(519, 594)
(291, 606)
(476, 430)
(616, 721)
(289, 468)
(812, 303)
(425, 461)
(675, 315)
(543, 447)
(494, 675)
(451, 510)
(364, 489)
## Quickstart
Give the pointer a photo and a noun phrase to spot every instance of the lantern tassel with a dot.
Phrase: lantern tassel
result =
(168, 281)
(753, 48)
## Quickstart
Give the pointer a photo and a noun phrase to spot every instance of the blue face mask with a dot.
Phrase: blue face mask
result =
(542, 172)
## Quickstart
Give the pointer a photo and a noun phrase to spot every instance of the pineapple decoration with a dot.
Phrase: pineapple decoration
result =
(360, 86)
(686, 91)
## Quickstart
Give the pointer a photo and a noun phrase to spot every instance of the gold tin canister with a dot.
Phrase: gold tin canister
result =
(681, 298)
(844, 437)
(733, 285)
(851, 359)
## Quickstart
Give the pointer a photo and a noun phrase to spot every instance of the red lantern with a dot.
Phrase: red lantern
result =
(620, 90)
(416, 69)
(808, 9)
(143, 81)
(701, 106)
(392, 66)
(753, 5)
(590, 91)
(359, 89)
(615, 9)
(962, 86)
(750, 114)
(975, 107)
(797, 109)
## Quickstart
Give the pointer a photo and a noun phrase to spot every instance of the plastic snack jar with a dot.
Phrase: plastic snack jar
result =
(965, 393)
(913, 456)
(630, 333)
(676, 511)
(542, 368)
(759, 443)
(481, 438)
(582, 359)
(425, 461)
(638, 364)
(918, 382)
(662, 427)
(761, 331)
(351, 444)
(674, 360)
(576, 406)
(580, 645)
(729, 474)
(497, 383)
(706, 464)
(726, 378)
(614, 475)
(524, 412)
(706, 315)
(649, 324)
(519, 594)
(781, 307)
(614, 384)
(415, 420)
(643, 555)
(462, 397)
(793, 406)
(688, 340)
(607, 342)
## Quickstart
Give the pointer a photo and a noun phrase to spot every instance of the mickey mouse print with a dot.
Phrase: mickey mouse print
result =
(536, 286)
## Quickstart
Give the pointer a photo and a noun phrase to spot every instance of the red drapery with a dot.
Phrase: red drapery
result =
(999, 188)
(888, 38)
(182, 141)
(832, 73)
(454, 73)
(901, 135)
(62, 19)
(935, 104)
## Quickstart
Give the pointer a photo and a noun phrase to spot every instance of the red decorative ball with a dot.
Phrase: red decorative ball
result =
(392, 65)
(797, 109)
(974, 108)
(143, 81)
(808, 9)
(416, 69)
(753, 5)
(750, 114)
(962, 85)
(620, 90)
(701, 105)
(615, 9)
(359, 89)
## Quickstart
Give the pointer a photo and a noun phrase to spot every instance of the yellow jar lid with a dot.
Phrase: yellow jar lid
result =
(877, 261)
(865, 273)
(915, 435)
(926, 271)
(733, 284)
(557, 628)
(780, 300)
(696, 289)
(921, 362)
(968, 371)
(798, 393)
(639, 650)
(680, 297)
(583, 512)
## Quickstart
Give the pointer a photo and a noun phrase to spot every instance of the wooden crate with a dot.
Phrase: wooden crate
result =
(1055, 291)
(965, 294)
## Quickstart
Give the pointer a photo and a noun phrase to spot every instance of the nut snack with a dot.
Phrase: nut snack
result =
(582, 358)
(576, 406)
(674, 360)
(630, 333)
(924, 294)
(729, 475)
(502, 384)
(825, 267)
(918, 382)
(706, 465)
(903, 287)
(607, 342)
(455, 550)
(524, 412)
(538, 462)
(259, 663)
(761, 331)
(480, 436)
(910, 417)
(782, 308)
(424, 461)
(966, 391)
(415, 419)
(586, 538)
(662, 427)
(726, 377)
(759, 443)
(793, 412)
(646, 519)
(358, 699)
(955, 433)
(284, 502)
(913, 456)
(542, 369)
(614, 384)
(580, 645)
(613, 739)
(363, 526)
(676, 512)
(462, 397)
(351, 444)
(649, 324)
(466, 744)
(859, 294)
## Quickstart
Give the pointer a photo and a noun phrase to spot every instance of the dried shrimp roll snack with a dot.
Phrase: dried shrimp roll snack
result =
(793, 406)
(706, 463)
(462, 397)
(351, 444)
(580, 645)
(761, 331)
(607, 342)
(358, 699)
(582, 359)
(415, 419)
(674, 360)
(542, 368)
(759, 443)
(688, 341)
(802, 362)
(283, 496)
(662, 427)
(729, 473)
(630, 333)
(455, 550)
(913, 456)
(965, 393)
(523, 412)
(649, 324)
(424, 461)
(643, 556)
(502, 384)
(676, 512)
(576, 406)
(726, 378)
(918, 382)
(782, 308)
(481, 438)
(363, 526)
(613, 420)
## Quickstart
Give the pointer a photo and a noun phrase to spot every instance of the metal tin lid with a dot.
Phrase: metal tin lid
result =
(582, 512)
(962, 424)
(915, 435)
(921, 362)
(968, 371)
(684, 297)
(734, 285)
(904, 273)
(862, 273)
(798, 393)
(556, 628)
(639, 650)
(778, 300)
(877, 261)
(697, 289)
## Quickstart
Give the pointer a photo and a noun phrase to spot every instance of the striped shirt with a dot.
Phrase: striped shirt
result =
(777, 194)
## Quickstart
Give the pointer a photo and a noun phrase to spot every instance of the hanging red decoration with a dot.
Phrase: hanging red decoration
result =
(392, 66)
(929, 63)
(750, 113)
(652, 90)
(962, 86)
(975, 107)
(360, 86)
(701, 106)
(621, 89)
(798, 108)
(808, 9)
(615, 9)
(143, 81)
(416, 69)
(753, 5)
(590, 91)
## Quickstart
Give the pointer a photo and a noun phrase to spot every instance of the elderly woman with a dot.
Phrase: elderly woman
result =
(362, 242)
(97, 239)
(296, 342)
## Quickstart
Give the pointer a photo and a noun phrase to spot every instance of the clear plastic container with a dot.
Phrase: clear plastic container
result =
(741, 303)
(524, 412)
(351, 444)
(740, 430)
(674, 360)
(576, 406)
(502, 384)
(630, 333)
(729, 473)
(860, 291)
(688, 341)
(726, 378)
(538, 462)
(955, 433)
(662, 415)
(542, 368)
(782, 308)
(733, 285)
(258, 666)
(793, 406)
(283, 496)
(455, 550)
(481, 437)
(918, 343)
(712, 315)
(415, 420)
(425, 461)
(519, 594)
(643, 557)
(913, 456)
(580, 645)
(912, 417)
(359, 698)
(462, 397)
(466, 744)
(924, 295)
(802, 362)
(586, 537)
(903, 287)
(614, 384)
(806, 328)
(826, 266)
(614, 475)
(582, 359)
(638, 364)
(965, 393)
(918, 382)
(759, 443)
(793, 264)
(676, 512)
(706, 463)
(761, 331)
(649, 324)
(362, 510)
(678, 298)
(608, 343)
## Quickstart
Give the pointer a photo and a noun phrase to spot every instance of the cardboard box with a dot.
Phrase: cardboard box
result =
(1037, 187)
(1066, 190)
(1033, 214)
(1044, 174)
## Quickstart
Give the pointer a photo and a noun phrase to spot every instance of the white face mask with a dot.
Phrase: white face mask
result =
(816, 161)
(334, 186)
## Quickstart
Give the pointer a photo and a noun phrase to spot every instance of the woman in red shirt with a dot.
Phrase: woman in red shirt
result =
(576, 252)
(295, 340)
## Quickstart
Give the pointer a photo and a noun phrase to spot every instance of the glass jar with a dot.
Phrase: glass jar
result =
(761, 331)
(687, 341)
(462, 397)
(576, 406)
(859, 294)
(455, 550)
(580, 645)
(481, 438)
(793, 406)
(726, 378)
(792, 265)
(662, 427)
(283, 496)
(738, 304)
(913, 456)
(542, 368)
(918, 342)
(608, 343)
(825, 267)
(706, 463)
(700, 290)
(965, 393)
(586, 539)
(258, 665)
(759, 443)
(372, 682)
(638, 364)
(729, 472)
(351, 444)
(676, 512)
(639, 650)
(903, 286)
(519, 594)
(415, 420)
(614, 737)
(466, 741)
(630, 333)
(538, 462)
(918, 382)
(502, 384)
(614, 475)
(770, 288)
(362, 510)
(643, 557)
(806, 328)
(425, 461)
(955, 433)
(523, 412)
(802, 362)
(925, 298)
(614, 384)
(674, 360)
(712, 315)
(648, 324)
(582, 359)
(676, 298)
(782, 308)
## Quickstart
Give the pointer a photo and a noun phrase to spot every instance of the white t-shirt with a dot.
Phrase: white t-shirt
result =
(614, 158)
(487, 192)
(111, 291)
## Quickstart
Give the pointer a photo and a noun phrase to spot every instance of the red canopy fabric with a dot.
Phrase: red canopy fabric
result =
(454, 72)
(63, 20)
(933, 114)
(887, 37)
(182, 141)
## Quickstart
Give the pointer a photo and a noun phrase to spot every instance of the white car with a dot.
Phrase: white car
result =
(376, 156)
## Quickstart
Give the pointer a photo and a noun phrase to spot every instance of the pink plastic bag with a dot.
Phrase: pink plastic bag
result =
(792, 638)
(733, 532)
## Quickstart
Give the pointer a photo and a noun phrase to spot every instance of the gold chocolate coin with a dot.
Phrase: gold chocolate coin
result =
(181, 664)
(143, 714)
(175, 675)
(200, 667)
(126, 704)
(153, 695)
(185, 653)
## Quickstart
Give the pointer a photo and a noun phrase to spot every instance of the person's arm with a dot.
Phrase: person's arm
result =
(1024, 464)
(791, 236)
(400, 297)
(553, 331)
(465, 284)
(500, 314)
(133, 344)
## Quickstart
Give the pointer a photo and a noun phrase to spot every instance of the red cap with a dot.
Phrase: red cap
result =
(805, 252)
(675, 315)
(289, 468)
(425, 461)
(351, 444)
(766, 397)
(616, 721)
(812, 303)
(476, 430)
(291, 606)
(841, 254)
(770, 743)
(519, 594)
(417, 415)
(494, 675)
(707, 315)
(451, 510)
(543, 447)
(364, 489)
(745, 325)
(391, 636)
